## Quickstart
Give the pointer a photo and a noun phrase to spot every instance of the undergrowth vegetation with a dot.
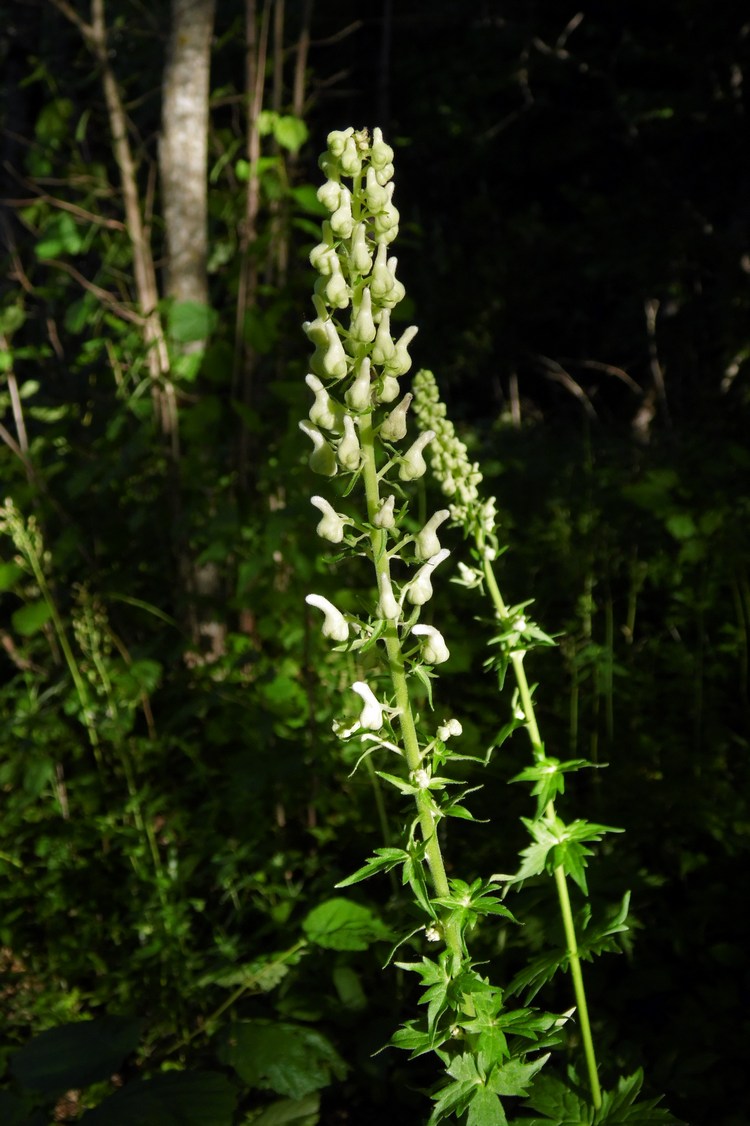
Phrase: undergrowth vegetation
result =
(184, 935)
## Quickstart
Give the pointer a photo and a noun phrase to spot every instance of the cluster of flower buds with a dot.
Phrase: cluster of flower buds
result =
(354, 376)
(459, 477)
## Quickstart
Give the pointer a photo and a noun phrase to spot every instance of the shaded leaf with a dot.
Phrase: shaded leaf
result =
(177, 1098)
(339, 924)
(74, 1055)
(290, 1059)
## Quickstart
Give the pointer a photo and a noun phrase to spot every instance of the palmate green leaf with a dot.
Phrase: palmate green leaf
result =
(548, 776)
(432, 973)
(567, 1104)
(556, 844)
(340, 924)
(621, 1107)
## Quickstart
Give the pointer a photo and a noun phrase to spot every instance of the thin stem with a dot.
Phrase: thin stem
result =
(561, 884)
(578, 986)
(398, 679)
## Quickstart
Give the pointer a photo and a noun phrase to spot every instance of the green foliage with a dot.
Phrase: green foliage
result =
(290, 1059)
(175, 806)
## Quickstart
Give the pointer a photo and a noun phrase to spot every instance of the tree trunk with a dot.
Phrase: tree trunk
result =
(183, 153)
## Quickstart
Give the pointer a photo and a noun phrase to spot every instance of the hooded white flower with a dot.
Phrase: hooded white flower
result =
(331, 527)
(434, 649)
(426, 541)
(322, 459)
(371, 716)
(335, 625)
(420, 587)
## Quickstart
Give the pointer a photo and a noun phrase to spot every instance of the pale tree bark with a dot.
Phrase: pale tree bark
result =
(183, 152)
(183, 166)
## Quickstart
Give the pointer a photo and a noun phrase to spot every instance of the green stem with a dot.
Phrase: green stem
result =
(578, 986)
(62, 637)
(397, 669)
(561, 884)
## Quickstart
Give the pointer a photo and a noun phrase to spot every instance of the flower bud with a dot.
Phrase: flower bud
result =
(348, 452)
(427, 543)
(358, 395)
(383, 348)
(385, 221)
(393, 428)
(383, 175)
(342, 221)
(434, 649)
(413, 465)
(331, 527)
(371, 716)
(376, 196)
(350, 160)
(382, 279)
(362, 327)
(322, 255)
(334, 358)
(324, 412)
(399, 362)
(337, 139)
(420, 588)
(329, 194)
(335, 625)
(448, 729)
(385, 517)
(387, 389)
(360, 255)
(322, 460)
(381, 154)
(334, 288)
(388, 607)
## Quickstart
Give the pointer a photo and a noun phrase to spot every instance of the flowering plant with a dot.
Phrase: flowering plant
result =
(358, 423)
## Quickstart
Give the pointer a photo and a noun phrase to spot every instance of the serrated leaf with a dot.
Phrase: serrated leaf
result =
(486, 1109)
(340, 924)
(514, 1077)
